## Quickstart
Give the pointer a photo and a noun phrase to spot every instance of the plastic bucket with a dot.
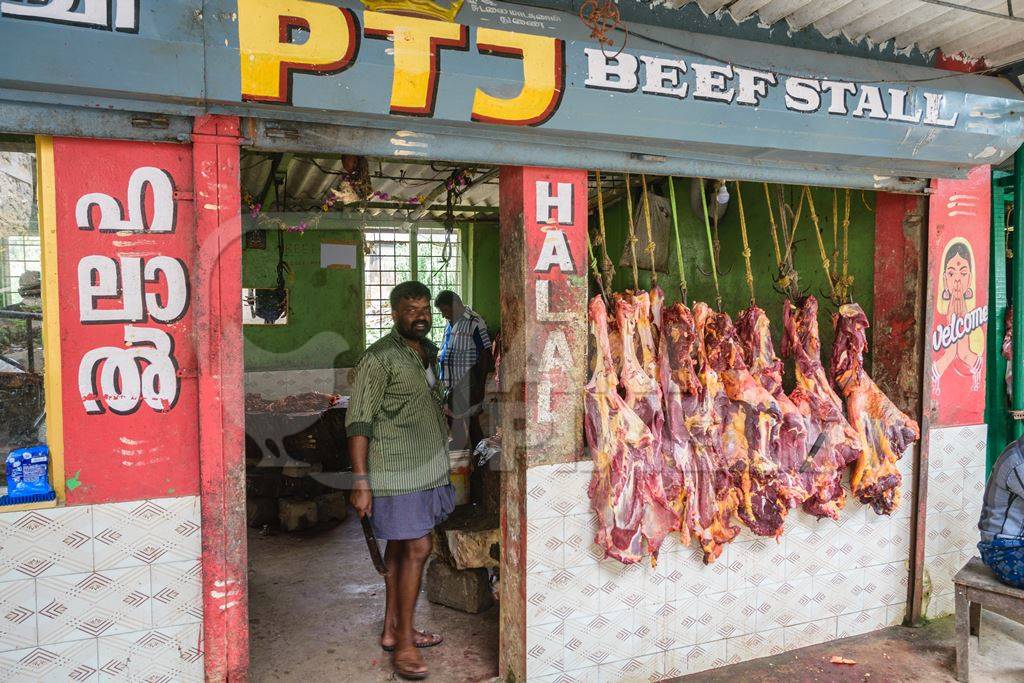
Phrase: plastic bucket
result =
(460, 469)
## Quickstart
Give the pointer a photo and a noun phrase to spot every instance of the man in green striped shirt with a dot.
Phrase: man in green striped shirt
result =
(398, 444)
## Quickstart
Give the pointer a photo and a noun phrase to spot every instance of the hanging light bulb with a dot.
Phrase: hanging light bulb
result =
(723, 194)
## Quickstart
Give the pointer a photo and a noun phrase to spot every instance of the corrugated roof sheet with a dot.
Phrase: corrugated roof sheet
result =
(927, 24)
(307, 181)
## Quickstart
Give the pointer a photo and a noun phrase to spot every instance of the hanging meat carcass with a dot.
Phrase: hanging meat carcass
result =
(883, 430)
(626, 491)
(749, 427)
(789, 449)
(691, 441)
(708, 420)
(833, 442)
(638, 357)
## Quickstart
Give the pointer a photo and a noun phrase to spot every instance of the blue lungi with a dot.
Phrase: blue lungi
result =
(411, 515)
(1005, 557)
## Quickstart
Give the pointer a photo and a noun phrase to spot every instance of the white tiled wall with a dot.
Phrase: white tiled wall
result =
(102, 592)
(956, 487)
(592, 619)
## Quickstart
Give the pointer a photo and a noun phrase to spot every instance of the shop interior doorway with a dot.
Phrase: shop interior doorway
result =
(325, 238)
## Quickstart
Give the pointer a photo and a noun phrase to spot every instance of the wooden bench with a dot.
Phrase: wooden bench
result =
(977, 587)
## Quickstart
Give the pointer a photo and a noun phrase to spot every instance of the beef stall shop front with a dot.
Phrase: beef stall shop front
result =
(139, 111)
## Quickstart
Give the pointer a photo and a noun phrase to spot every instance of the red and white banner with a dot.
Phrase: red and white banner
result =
(125, 247)
(958, 256)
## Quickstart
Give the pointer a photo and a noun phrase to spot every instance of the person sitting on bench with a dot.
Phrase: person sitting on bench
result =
(1002, 517)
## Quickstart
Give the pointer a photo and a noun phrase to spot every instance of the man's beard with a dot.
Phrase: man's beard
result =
(412, 333)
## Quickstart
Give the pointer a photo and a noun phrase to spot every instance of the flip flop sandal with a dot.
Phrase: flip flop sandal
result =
(435, 640)
(409, 675)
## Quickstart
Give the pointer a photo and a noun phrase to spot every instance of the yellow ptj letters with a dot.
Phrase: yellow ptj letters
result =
(270, 55)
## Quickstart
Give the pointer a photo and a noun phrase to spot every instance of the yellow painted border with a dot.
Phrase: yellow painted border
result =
(47, 200)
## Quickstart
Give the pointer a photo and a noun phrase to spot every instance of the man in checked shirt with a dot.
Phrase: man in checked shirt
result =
(1002, 517)
(464, 361)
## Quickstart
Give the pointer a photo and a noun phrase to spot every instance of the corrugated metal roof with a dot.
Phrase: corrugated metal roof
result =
(926, 24)
(401, 184)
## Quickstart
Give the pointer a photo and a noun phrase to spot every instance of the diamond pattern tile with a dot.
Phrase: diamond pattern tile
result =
(754, 645)
(694, 659)
(637, 669)
(177, 593)
(17, 614)
(558, 490)
(545, 544)
(45, 542)
(599, 639)
(79, 606)
(862, 622)
(809, 633)
(619, 622)
(72, 576)
(74, 661)
(166, 655)
(544, 649)
(147, 532)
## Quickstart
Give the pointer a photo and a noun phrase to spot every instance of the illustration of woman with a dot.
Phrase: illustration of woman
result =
(959, 340)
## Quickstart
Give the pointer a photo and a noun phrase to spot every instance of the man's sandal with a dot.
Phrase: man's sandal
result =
(433, 640)
(408, 674)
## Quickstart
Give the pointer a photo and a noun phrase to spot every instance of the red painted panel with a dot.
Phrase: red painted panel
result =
(127, 357)
(555, 223)
(221, 417)
(898, 280)
(958, 253)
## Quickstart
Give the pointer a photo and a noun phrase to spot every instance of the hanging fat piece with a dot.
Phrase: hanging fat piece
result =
(789, 449)
(884, 431)
(691, 442)
(750, 425)
(833, 442)
(626, 490)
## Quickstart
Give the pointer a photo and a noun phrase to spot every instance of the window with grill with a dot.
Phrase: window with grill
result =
(18, 254)
(430, 255)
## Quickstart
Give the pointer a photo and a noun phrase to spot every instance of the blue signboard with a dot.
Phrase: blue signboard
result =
(485, 68)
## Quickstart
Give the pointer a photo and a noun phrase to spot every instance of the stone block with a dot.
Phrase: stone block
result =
(260, 512)
(296, 514)
(331, 507)
(466, 590)
(474, 549)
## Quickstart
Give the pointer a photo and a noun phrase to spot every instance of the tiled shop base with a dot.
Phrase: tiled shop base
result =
(110, 591)
(956, 487)
(592, 619)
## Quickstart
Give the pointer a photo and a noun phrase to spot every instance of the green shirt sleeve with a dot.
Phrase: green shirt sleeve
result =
(367, 396)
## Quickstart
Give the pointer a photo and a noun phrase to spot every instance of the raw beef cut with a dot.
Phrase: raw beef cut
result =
(626, 491)
(713, 406)
(690, 440)
(789, 449)
(884, 431)
(749, 427)
(638, 371)
(827, 428)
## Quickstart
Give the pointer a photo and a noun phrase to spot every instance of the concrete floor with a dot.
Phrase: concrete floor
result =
(315, 611)
(897, 654)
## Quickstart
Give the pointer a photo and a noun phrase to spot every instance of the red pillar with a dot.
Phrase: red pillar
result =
(544, 333)
(221, 417)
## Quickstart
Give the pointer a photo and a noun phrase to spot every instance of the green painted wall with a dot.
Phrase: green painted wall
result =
(325, 307)
(733, 284)
(485, 295)
(325, 312)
